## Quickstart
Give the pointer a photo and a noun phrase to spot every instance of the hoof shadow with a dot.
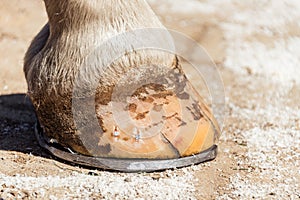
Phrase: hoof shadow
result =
(17, 119)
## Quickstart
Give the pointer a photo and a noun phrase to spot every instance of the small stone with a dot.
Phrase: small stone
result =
(127, 179)
(93, 174)
(297, 124)
(156, 177)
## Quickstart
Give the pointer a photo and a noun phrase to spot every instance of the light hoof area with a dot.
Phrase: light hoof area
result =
(121, 164)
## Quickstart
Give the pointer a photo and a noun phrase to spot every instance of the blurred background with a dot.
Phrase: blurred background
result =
(256, 37)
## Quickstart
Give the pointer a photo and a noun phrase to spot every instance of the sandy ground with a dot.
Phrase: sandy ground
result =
(256, 47)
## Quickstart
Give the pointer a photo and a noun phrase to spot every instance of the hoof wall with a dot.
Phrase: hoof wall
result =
(124, 165)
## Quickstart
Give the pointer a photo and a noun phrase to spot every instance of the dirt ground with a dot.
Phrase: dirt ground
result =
(259, 150)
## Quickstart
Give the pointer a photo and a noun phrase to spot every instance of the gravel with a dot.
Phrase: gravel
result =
(105, 186)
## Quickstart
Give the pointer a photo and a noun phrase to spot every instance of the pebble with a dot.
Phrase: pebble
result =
(93, 174)
(297, 124)
(127, 179)
(156, 176)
